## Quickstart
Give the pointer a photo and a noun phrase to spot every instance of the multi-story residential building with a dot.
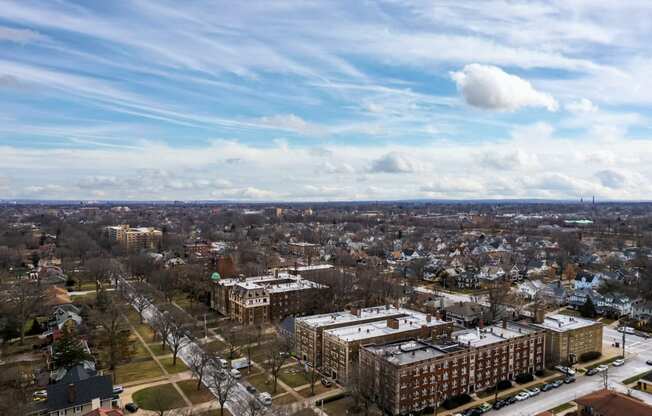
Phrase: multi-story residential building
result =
(409, 376)
(260, 299)
(134, 238)
(306, 250)
(568, 337)
(309, 330)
(341, 345)
(197, 249)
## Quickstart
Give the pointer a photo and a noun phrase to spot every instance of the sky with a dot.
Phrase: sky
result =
(324, 100)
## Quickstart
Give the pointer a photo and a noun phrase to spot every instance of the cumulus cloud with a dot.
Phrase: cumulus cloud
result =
(611, 179)
(394, 163)
(19, 35)
(581, 106)
(446, 185)
(338, 168)
(491, 88)
(507, 160)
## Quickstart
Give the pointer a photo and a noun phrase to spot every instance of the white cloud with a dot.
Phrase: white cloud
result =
(491, 88)
(611, 179)
(290, 122)
(394, 163)
(508, 160)
(19, 35)
(583, 105)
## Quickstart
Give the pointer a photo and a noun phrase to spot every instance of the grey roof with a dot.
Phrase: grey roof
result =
(85, 391)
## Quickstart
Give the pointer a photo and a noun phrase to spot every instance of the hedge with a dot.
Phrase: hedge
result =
(524, 378)
(590, 356)
(456, 401)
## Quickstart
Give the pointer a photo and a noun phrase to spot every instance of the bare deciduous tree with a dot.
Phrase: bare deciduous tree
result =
(277, 353)
(222, 386)
(24, 299)
(198, 364)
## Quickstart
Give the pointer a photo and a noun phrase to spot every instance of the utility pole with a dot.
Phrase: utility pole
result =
(205, 328)
(624, 332)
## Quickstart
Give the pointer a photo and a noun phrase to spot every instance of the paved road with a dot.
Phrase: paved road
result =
(239, 397)
(638, 350)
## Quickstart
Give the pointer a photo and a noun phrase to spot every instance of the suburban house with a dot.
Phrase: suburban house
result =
(554, 293)
(587, 280)
(467, 314)
(642, 310)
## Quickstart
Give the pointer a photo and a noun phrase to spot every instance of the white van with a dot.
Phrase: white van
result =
(235, 374)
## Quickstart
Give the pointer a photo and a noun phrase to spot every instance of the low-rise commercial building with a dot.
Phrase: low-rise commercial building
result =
(409, 376)
(568, 337)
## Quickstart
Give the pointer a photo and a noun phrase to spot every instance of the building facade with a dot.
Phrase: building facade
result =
(409, 376)
(134, 238)
(568, 337)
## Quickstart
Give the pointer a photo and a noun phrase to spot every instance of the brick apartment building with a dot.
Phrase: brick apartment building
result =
(341, 345)
(133, 239)
(408, 376)
(568, 337)
(305, 250)
(260, 299)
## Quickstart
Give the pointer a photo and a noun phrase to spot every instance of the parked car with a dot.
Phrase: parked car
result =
(618, 362)
(533, 391)
(326, 382)
(40, 393)
(510, 400)
(485, 407)
(499, 404)
(251, 389)
(522, 396)
(557, 383)
(235, 374)
(474, 411)
(566, 370)
(547, 387)
(569, 380)
(592, 372)
(131, 407)
(117, 389)
(265, 398)
(648, 362)
(602, 367)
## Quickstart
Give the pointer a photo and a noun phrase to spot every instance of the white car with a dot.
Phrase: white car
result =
(235, 374)
(533, 391)
(618, 362)
(117, 389)
(566, 370)
(522, 396)
(265, 398)
(602, 367)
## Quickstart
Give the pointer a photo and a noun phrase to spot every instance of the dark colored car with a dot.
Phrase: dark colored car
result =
(499, 404)
(547, 387)
(556, 383)
(592, 372)
(510, 400)
(472, 412)
(569, 380)
(648, 362)
(326, 382)
(131, 407)
(251, 389)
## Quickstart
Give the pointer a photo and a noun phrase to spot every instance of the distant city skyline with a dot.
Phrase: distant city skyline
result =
(325, 100)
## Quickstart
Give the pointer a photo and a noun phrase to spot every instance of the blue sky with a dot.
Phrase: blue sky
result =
(325, 100)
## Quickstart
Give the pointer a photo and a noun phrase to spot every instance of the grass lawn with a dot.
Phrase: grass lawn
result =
(139, 348)
(607, 321)
(158, 349)
(283, 399)
(216, 346)
(87, 298)
(562, 407)
(260, 382)
(137, 371)
(214, 412)
(146, 332)
(163, 397)
(342, 407)
(635, 378)
(189, 387)
(293, 376)
(319, 389)
(180, 367)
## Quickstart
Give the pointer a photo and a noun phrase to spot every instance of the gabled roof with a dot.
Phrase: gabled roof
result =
(85, 391)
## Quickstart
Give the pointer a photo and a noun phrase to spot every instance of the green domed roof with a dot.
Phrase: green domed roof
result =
(215, 276)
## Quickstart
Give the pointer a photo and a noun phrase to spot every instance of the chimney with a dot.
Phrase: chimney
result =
(539, 315)
(275, 273)
(71, 393)
(393, 323)
(387, 306)
(428, 318)
(356, 311)
(481, 324)
(504, 323)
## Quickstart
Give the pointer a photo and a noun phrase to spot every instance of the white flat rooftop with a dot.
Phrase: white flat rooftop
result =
(490, 335)
(328, 319)
(561, 323)
(375, 329)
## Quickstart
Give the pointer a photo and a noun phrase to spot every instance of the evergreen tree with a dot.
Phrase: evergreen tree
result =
(588, 309)
(69, 350)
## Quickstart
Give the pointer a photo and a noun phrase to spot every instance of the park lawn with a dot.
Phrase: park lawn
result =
(179, 367)
(141, 370)
(146, 332)
(284, 399)
(87, 298)
(261, 383)
(158, 349)
(189, 387)
(216, 346)
(163, 397)
(293, 376)
(636, 378)
(343, 407)
(319, 389)
(139, 349)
